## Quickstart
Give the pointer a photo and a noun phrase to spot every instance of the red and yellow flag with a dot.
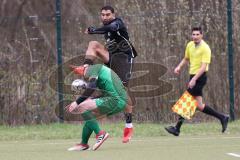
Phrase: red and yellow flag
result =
(185, 106)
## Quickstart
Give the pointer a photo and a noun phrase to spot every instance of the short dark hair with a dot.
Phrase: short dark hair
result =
(107, 7)
(197, 29)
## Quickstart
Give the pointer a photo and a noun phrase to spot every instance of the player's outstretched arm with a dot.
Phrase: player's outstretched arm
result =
(114, 26)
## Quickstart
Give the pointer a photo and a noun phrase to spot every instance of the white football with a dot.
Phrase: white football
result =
(78, 84)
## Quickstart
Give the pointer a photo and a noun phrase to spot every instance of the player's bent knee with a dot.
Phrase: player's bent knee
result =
(94, 44)
(88, 105)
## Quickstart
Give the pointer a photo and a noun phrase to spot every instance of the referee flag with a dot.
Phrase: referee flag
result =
(185, 106)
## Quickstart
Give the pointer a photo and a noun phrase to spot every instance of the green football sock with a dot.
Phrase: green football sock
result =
(86, 133)
(91, 121)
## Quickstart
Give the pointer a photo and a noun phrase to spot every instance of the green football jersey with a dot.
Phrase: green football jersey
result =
(107, 81)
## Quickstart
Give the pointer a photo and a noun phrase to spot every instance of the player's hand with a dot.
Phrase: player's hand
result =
(192, 83)
(177, 70)
(90, 30)
(72, 106)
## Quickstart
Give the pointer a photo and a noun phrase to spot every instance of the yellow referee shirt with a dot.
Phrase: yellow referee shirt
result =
(197, 55)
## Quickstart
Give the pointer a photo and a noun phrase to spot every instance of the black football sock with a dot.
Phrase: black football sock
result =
(210, 111)
(179, 123)
(128, 117)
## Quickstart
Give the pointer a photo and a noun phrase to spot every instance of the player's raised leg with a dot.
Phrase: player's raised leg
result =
(96, 50)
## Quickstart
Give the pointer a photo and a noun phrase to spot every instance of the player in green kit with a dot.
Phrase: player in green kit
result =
(112, 101)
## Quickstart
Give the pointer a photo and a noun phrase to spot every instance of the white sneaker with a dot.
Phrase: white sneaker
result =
(101, 137)
(79, 147)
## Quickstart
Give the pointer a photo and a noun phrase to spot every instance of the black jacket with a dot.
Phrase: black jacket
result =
(116, 35)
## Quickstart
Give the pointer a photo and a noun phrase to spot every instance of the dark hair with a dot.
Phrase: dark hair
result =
(197, 29)
(107, 7)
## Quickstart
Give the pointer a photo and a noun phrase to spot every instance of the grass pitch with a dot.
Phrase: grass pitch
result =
(196, 142)
(147, 148)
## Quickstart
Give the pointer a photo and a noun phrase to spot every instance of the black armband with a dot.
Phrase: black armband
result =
(80, 99)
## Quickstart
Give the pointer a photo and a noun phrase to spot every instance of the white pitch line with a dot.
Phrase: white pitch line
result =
(234, 155)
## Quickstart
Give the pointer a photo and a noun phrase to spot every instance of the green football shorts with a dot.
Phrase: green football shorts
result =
(111, 105)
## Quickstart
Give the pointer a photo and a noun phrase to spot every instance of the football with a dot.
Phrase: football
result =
(78, 84)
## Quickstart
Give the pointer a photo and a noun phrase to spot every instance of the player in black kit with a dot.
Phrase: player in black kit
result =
(118, 54)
